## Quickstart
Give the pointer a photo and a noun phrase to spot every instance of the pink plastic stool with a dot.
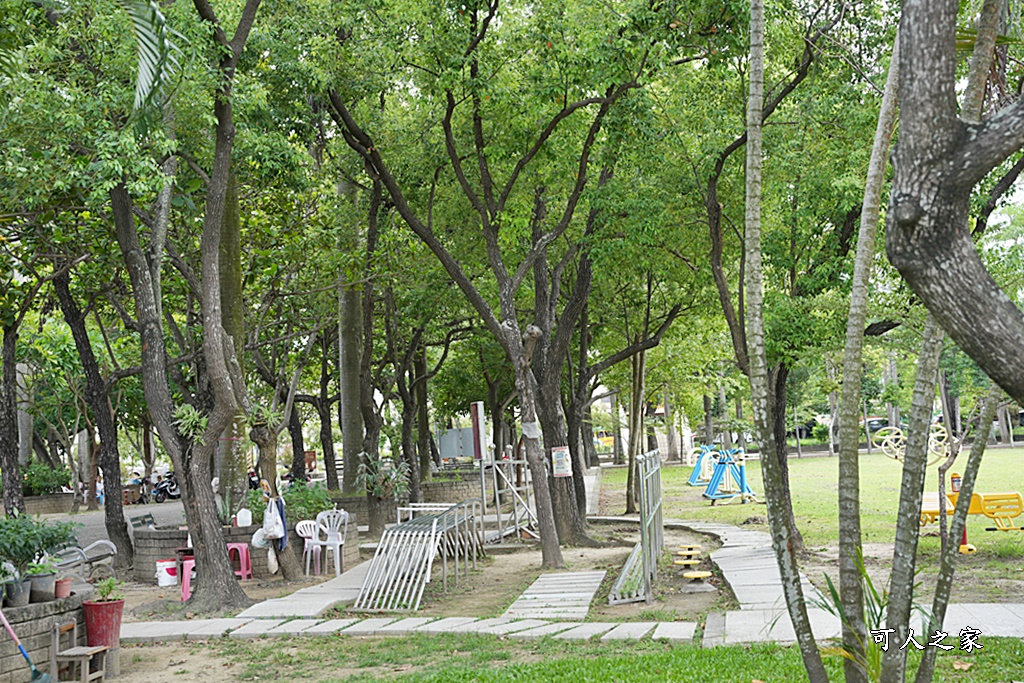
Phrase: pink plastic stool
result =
(186, 578)
(244, 559)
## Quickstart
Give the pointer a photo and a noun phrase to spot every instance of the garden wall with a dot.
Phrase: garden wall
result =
(33, 624)
(56, 503)
(160, 544)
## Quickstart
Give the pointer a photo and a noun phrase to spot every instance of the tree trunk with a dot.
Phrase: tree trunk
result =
(851, 589)
(777, 377)
(13, 497)
(776, 489)
(98, 399)
(673, 436)
(323, 409)
(232, 465)
(616, 430)
(587, 437)
(551, 554)
(709, 423)
(569, 522)
(220, 589)
(423, 417)
(298, 466)
(265, 438)
(915, 460)
(951, 551)
(939, 160)
(350, 341)
(636, 429)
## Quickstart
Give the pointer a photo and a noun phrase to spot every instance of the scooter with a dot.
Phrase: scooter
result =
(166, 488)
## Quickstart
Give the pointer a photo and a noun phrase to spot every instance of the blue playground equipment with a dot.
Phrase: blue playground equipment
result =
(701, 474)
(729, 478)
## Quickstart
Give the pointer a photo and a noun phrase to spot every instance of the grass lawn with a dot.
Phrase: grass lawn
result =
(453, 658)
(995, 573)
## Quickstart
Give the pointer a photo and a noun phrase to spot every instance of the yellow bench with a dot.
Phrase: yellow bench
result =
(999, 507)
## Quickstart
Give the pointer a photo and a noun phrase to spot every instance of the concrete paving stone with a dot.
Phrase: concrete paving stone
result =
(367, 627)
(1017, 609)
(215, 628)
(541, 631)
(586, 631)
(512, 626)
(476, 626)
(256, 628)
(553, 615)
(714, 630)
(155, 631)
(328, 627)
(995, 620)
(306, 606)
(294, 627)
(630, 631)
(444, 625)
(405, 625)
(678, 631)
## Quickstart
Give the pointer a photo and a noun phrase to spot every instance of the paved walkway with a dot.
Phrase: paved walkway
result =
(564, 596)
(555, 603)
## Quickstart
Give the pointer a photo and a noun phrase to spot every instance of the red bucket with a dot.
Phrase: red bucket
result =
(103, 622)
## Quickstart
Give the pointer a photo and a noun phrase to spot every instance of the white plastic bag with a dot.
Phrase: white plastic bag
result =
(259, 539)
(273, 527)
(272, 565)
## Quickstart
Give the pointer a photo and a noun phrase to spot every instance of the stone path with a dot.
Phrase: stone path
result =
(207, 629)
(563, 596)
(315, 600)
(555, 603)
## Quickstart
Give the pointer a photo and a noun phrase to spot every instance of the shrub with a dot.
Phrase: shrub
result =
(25, 539)
(300, 502)
(41, 479)
(821, 433)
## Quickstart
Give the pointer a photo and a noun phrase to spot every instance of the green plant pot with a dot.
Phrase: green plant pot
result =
(18, 593)
(43, 587)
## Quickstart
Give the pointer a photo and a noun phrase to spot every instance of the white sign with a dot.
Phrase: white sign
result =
(560, 461)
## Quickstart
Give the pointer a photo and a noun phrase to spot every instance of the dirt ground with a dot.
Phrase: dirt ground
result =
(485, 592)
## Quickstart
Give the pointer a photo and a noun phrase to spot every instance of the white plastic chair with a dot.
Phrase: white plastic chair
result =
(331, 529)
(307, 530)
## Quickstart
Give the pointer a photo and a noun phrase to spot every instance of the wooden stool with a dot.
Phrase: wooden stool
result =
(696, 576)
(81, 655)
(690, 546)
(686, 563)
(688, 553)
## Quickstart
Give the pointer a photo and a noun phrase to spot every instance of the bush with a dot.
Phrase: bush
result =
(300, 502)
(25, 539)
(40, 479)
(821, 433)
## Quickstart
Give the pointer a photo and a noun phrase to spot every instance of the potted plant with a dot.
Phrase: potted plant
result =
(43, 576)
(103, 614)
(62, 588)
(24, 540)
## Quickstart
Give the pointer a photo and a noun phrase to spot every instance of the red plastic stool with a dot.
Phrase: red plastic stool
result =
(244, 559)
(186, 577)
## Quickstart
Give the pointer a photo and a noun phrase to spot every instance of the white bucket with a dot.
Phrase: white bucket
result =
(167, 572)
(244, 517)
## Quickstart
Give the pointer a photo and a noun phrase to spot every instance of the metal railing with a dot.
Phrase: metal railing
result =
(404, 560)
(641, 568)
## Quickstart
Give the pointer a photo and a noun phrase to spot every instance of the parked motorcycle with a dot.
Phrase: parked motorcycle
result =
(166, 488)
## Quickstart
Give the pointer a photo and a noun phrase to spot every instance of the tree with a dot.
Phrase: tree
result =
(939, 160)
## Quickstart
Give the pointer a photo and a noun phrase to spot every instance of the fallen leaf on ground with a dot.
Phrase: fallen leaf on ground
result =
(961, 665)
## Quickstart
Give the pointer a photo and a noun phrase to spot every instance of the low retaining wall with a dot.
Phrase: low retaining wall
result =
(451, 491)
(160, 544)
(356, 507)
(33, 624)
(55, 503)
